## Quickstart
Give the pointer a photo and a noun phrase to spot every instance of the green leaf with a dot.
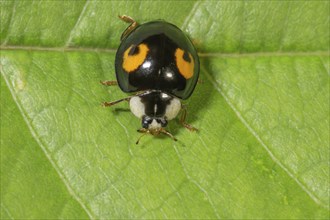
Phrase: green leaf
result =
(30, 186)
(262, 109)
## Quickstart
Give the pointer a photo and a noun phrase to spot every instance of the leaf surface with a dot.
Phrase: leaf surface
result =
(262, 109)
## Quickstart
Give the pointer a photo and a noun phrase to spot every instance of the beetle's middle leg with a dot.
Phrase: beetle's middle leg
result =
(133, 25)
(183, 119)
(108, 104)
(109, 83)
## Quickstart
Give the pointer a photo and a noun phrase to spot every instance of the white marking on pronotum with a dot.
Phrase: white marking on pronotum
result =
(137, 107)
(173, 109)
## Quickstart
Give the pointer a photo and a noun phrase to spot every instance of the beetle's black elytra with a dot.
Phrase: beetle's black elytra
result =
(165, 60)
(134, 50)
(134, 57)
(186, 57)
(158, 62)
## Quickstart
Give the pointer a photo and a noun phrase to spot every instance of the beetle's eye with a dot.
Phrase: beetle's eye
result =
(163, 122)
(145, 124)
(146, 121)
(134, 56)
(185, 63)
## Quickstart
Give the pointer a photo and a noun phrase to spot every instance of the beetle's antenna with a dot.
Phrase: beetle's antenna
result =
(168, 134)
(146, 131)
(138, 140)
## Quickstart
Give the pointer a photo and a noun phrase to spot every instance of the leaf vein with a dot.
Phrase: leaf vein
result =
(10, 23)
(219, 55)
(77, 23)
(7, 211)
(254, 133)
(44, 149)
(196, 184)
(191, 14)
(284, 27)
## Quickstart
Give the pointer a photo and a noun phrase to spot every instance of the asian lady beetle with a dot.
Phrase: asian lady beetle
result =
(158, 63)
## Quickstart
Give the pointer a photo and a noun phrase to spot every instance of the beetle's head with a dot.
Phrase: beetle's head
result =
(154, 126)
(153, 123)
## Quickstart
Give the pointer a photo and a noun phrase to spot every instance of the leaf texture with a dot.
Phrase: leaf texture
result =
(262, 109)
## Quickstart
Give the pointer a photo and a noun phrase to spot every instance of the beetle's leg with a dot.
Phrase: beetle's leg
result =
(144, 131)
(147, 131)
(130, 20)
(196, 42)
(183, 119)
(168, 134)
(107, 104)
(127, 19)
(109, 83)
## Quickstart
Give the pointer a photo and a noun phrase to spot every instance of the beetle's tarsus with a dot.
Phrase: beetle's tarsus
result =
(109, 83)
(183, 120)
(133, 25)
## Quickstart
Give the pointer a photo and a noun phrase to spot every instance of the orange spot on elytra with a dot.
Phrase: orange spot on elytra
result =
(134, 60)
(186, 68)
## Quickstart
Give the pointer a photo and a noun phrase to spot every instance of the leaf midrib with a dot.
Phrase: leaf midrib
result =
(34, 134)
(209, 77)
(202, 55)
(262, 143)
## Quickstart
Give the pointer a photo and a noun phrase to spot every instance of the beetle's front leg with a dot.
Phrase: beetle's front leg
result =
(109, 83)
(183, 120)
(108, 104)
(133, 25)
